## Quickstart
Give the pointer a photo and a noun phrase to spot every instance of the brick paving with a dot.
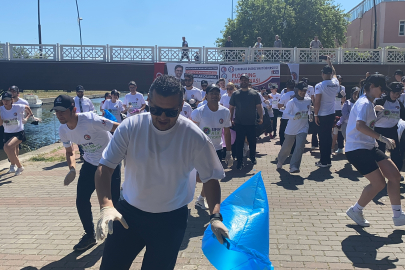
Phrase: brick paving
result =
(308, 228)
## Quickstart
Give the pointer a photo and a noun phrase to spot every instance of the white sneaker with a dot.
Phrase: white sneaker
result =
(19, 171)
(294, 170)
(279, 165)
(12, 169)
(399, 221)
(358, 217)
(202, 204)
(339, 151)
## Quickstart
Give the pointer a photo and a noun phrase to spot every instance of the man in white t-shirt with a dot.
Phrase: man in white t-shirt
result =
(204, 85)
(324, 112)
(15, 92)
(187, 110)
(134, 102)
(193, 95)
(222, 86)
(213, 119)
(161, 150)
(339, 100)
(287, 96)
(92, 132)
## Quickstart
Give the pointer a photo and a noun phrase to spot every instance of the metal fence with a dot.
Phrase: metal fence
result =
(208, 55)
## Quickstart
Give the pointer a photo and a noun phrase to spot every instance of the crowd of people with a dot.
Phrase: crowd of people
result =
(182, 135)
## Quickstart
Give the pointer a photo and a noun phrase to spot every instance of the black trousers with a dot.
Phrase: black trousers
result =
(161, 233)
(392, 133)
(281, 132)
(314, 140)
(325, 137)
(243, 131)
(86, 187)
(274, 118)
(340, 138)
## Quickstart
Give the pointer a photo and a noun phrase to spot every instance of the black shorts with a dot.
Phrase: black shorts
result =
(19, 135)
(220, 154)
(365, 161)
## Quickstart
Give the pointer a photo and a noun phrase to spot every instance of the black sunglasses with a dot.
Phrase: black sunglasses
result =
(157, 111)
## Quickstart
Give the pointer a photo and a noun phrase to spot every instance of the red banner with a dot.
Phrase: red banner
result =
(159, 69)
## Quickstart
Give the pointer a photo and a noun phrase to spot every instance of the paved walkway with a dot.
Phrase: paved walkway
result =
(308, 228)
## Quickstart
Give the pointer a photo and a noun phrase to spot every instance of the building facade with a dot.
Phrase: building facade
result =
(390, 24)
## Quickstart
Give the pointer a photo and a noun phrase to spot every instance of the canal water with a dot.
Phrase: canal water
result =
(47, 131)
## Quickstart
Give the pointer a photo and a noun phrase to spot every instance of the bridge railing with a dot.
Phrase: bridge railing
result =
(207, 55)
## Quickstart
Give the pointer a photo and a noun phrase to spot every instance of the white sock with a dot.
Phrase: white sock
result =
(397, 210)
(357, 207)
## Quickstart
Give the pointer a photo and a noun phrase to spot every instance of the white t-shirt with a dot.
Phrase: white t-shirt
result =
(193, 93)
(222, 91)
(87, 105)
(274, 101)
(310, 91)
(362, 110)
(187, 110)
(329, 90)
(402, 98)
(401, 128)
(212, 123)
(297, 112)
(115, 108)
(283, 91)
(390, 116)
(21, 101)
(12, 119)
(92, 133)
(338, 101)
(284, 99)
(225, 100)
(204, 102)
(136, 101)
(202, 94)
(159, 163)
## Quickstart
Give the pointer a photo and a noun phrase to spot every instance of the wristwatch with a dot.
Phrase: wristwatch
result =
(216, 216)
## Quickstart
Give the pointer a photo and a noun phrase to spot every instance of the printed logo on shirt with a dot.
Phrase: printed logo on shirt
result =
(15, 114)
(221, 121)
(103, 122)
(207, 130)
(372, 124)
(58, 99)
(386, 112)
(87, 137)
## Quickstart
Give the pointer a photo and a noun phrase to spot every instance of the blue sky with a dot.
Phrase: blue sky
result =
(119, 22)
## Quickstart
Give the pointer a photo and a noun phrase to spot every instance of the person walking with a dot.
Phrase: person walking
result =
(324, 112)
(153, 212)
(371, 162)
(184, 53)
(246, 104)
(278, 43)
(15, 92)
(93, 133)
(288, 94)
(134, 102)
(316, 43)
(347, 107)
(107, 95)
(193, 95)
(297, 111)
(339, 100)
(275, 98)
(114, 105)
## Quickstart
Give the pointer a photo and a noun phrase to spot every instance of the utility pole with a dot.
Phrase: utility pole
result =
(375, 26)
(39, 30)
(79, 19)
(232, 10)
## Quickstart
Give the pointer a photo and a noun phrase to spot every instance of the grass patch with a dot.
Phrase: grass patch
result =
(45, 158)
(55, 93)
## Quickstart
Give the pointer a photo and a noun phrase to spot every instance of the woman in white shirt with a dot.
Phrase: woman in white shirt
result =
(11, 117)
(106, 96)
(363, 154)
(275, 97)
(297, 111)
(114, 105)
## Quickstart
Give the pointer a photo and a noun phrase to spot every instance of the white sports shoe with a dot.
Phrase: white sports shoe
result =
(399, 221)
(19, 171)
(339, 151)
(294, 170)
(358, 217)
(12, 169)
(202, 204)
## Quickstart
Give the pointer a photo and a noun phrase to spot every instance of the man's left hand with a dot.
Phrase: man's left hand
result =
(228, 159)
(260, 121)
(219, 229)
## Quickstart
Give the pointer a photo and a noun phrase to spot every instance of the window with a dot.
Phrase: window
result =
(361, 37)
(402, 28)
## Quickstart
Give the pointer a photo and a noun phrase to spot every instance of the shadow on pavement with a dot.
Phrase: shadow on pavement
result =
(195, 226)
(320, 175)
(71, 261)
(56, 165)
(384, 193)
(348, 173)
(361, 249)
(289, 181)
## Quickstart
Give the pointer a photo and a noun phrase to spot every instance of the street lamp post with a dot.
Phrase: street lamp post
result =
(39, 30)
(79, 19)
(375, 26)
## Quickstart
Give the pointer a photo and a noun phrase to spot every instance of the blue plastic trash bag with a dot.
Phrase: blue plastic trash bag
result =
(246, 215)
(109, 116)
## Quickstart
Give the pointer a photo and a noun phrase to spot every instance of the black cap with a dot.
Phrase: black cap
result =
(14, 88)
(273, 87)
(79, 88)
(212, 87)
(244, 75)
(62, 103)
(396, 87)
(378, 80)
(302, 85)
(305, 79)
(204, 82)
(339, 77)
(327, 70)
(6, 96)
(399, 72)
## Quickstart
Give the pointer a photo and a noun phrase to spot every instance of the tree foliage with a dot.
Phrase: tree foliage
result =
(295, 21)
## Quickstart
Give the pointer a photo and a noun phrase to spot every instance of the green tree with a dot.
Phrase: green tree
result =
(295, 21)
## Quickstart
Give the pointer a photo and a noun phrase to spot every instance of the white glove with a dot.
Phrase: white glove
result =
(378, 108)
(229, 159)
(219, 229)
(70, 177)
(389, 143)
(343, 93)
(107, 216)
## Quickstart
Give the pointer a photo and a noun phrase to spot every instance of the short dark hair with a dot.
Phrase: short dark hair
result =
(189, 75)
(221, 80)
(290, 84)
(115, 92)
(132, 83)
(167, 86)
(178, 66)
(106, 95)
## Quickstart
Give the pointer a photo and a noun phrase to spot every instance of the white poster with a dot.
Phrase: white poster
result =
(208, 72)
(260, 75)
(295, 71)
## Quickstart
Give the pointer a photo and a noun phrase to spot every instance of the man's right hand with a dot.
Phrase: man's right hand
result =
(317, 120)
(70, 177)
(108, 215)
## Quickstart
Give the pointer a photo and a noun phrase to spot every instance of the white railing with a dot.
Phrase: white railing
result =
(83, 53)
(178, 54)
(132, 53)
(43, 52)
(208, 55)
